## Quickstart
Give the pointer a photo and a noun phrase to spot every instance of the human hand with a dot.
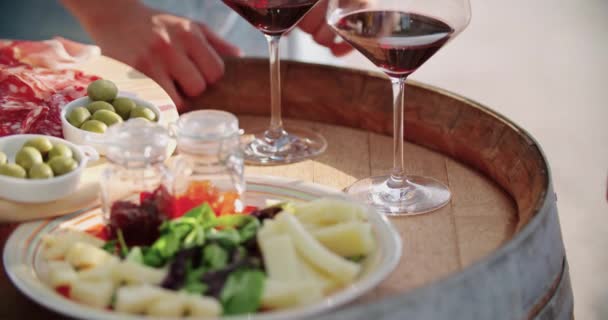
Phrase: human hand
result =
(315, 25)
(182, 56)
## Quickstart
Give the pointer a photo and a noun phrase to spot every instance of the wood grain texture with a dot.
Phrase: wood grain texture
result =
(459, 128)
(435, 245)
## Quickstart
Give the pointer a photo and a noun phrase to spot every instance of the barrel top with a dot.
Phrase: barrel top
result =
(500, 180)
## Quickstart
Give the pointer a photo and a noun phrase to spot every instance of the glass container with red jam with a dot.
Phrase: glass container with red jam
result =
(135, 187)
(209, 167)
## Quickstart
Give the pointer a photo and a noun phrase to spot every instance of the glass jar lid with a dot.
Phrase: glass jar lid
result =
(136, 143)
(204, 131)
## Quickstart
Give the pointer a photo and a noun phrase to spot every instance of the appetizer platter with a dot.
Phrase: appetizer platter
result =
(288, 260)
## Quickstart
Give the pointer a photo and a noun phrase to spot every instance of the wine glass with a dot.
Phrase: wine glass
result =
(398, 36)
(277, 144)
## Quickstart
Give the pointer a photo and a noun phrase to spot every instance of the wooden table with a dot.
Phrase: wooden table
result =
(480, 217)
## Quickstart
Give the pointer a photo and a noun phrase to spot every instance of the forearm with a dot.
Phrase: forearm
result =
(90, 12)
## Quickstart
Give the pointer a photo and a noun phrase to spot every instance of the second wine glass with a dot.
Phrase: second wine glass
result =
(277, 144)
(399, 36)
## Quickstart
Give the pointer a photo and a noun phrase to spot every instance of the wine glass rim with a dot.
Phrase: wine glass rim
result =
(334, 14)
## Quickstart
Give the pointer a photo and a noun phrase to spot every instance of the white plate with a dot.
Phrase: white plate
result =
(27, 269)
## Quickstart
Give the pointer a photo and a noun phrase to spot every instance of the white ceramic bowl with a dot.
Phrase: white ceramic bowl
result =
(40, 191)
(82, 137)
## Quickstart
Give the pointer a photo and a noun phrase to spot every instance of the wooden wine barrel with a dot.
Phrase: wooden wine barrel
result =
(522, 275)
(495, 252)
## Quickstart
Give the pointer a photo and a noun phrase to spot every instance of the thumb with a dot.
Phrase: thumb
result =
(222, 47)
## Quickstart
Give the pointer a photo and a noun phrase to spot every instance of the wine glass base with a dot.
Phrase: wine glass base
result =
(293, 145)
(417, 195)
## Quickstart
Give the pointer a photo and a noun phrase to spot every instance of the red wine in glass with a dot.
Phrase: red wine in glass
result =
(397, 42)
(277, 144)
(272, 16)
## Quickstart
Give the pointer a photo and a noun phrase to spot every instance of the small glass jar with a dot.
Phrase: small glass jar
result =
(209, 166)
(135, 186)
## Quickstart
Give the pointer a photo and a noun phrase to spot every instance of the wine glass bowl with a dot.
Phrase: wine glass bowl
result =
(277, 144)
(274, 17)
(399, 36)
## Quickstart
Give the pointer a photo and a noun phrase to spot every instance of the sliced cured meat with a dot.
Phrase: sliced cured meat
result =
(19, 116)
(41, 83)
(57, 53)
(50, 122)
(31, 97)
(12, 84)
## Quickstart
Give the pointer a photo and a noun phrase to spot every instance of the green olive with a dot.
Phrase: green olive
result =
(78, 116)
(3, 158)
(94, 126)
(40, 171)
(60, 150)
(102, 90)
(12, 170)
(142, 112)
(42, 144)
(107, 117)
(99, 105)
(123, 106)
(27, 157)
(62, 165)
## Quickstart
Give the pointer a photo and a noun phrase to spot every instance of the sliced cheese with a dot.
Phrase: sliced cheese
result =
(316, 254)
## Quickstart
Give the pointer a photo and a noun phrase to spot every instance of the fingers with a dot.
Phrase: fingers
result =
(186, 73)
(222, 47)
(207, 60)
(162, 77)
(314, 24)
(341, 48)
(314, 19)
(326, 37)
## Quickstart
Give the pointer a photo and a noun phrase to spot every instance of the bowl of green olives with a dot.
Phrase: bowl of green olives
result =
(37, 168)
(86, 119)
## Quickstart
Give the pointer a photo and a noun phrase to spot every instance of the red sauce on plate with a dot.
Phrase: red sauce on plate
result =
(64, 291)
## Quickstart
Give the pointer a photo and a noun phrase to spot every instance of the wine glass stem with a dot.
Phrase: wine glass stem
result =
(275, 130)
(398, 178)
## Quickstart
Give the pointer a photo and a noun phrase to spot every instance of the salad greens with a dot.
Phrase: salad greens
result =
(195, 228)
(110, 246)
(117, 246)
(215, 256)
(205, 254)
(242, 292)
(124, 250)
(228, 238)
(193, 283)
(135, 255)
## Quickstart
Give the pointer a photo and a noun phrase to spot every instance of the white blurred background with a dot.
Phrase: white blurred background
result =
(543, 64)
